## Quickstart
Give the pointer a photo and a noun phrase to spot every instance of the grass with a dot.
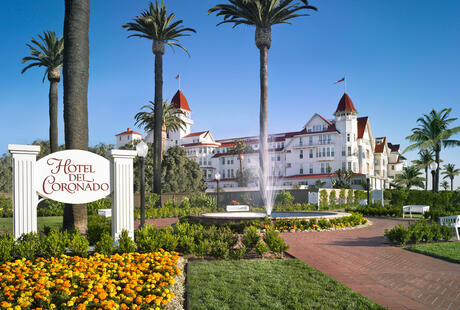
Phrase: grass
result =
(268, 284)
(449, 251)
(6, 224)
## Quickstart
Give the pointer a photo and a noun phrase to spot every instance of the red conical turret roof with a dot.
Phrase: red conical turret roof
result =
(345, 105)
(180, 102)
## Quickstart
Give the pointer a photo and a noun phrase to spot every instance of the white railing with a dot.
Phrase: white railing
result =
(451, 221)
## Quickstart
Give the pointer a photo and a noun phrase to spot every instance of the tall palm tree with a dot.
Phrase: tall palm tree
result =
(450, 172)
(240, 148)
(156, 25)
(171, 120)
(409, 177)
(423, 162)
(76, 74)
(263, 14)
(434, 133)
(48, 52)
(445, 185)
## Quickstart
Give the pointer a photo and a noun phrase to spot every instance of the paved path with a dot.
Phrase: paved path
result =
(390, 276)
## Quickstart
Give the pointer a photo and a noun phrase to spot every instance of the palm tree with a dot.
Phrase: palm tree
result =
(76, 74)
(433, 134)
(424, 161)
(263, 14)
(171, 120)
(240, 148)
(450, 172)
(445, 185)
(409, 177)
(156, 25)
(48, 52)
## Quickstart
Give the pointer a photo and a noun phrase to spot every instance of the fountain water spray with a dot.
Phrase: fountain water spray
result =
(267, 180)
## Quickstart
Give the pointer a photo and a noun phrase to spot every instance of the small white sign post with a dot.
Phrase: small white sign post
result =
(74, 177)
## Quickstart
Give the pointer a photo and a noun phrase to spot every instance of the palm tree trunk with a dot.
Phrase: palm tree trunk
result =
(436, 184)
(263, 150)
(53, 111)
(76, 75)
(163, 139)
(452, 184)
(241, 158)
(426, 178)
(158, 124)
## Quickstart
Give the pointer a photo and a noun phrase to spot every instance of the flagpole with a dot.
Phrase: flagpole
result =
(179, 80)
(344, 84)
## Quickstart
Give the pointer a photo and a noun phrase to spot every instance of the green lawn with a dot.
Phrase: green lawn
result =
(449, 251)
(268, 284)
(6, 224)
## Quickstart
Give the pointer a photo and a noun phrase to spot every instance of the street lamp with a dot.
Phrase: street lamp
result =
(433, 168)
(368, 185)
(142, 149)
(217, 176)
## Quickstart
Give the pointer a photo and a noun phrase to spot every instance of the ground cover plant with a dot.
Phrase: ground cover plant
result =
(268, 284)
(130, 280)
(449, 251)
(316, 224)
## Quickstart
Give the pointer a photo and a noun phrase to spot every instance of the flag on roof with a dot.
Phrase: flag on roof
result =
(341, 80)
(177, 77)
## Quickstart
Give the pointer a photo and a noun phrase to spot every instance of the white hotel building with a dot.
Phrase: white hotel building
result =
(300, 157)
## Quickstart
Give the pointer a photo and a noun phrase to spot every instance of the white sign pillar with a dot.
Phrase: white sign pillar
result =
(123, 192)
(25, 198)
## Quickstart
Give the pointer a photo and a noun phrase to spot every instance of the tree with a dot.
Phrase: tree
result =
(410, 177)
(48, 52)
(434, 133)
(181, 174)
(424, 161)
(319, 183)
(445, 185)
(343, 179)
(76, 74)
(450, 172)
(240, 148)
(156, 25)
(263, 14)
(171, 119)
(245, 178)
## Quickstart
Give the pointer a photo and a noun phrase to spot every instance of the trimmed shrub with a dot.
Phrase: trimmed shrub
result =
(284, 198)
(274, 242)
(261, 248)
(53, 244)
(78, 244)
(238, 254)
(6, 247)
(97, 226)
(398, 234)
(251, 238)
(219, 249)
(125, 243)
(27, 246)
(105, 245)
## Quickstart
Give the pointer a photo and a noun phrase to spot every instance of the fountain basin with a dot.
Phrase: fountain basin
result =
(238, 217)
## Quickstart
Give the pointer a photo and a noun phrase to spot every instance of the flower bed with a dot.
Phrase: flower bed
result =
(131, 280)
(317, 224)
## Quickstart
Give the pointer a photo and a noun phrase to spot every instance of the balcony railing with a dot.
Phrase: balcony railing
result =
(306, 144)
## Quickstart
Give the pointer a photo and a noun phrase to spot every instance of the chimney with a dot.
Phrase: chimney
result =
(128, 129)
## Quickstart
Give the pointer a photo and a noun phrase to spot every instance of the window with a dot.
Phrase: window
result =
(177, 142)
(349, 165)
(332, 152)
(310, 153)
(300, 141)
(349, 151)
(348, 137)
(328, 139)
(301, 154)
(354, 166)
(301, 170)
(392, 167)
(311, 168)
(318, 152)
(231, 161)
(310, 140)
(343, 151)
(328, 152)
(288, 165)
(324, 152)
(278, 157)
(322, 168)
(228, 172)
(233, 174)
(344, 165)
(223, 160)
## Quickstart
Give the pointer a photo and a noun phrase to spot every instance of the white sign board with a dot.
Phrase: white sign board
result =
(73, 176)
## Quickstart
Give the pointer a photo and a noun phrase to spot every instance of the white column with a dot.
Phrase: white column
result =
(25, 197)
(123, 192)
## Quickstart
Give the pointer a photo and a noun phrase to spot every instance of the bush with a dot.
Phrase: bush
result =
(323, 199)
(94, 206)
(97, 226)
(284, 198)
(274, 242)
(251, 238)
(6, 247)
(125, 243)
(150, 239)
(377, 209)
(398, 234)
(219, 249)
(238, 254)
(261, 248)
(6, 207)
(332, 197)
(105, 245)
(50, 208)
(202, 248)
(53, 244)
(419, 231)
(78, 244)
(27, 246)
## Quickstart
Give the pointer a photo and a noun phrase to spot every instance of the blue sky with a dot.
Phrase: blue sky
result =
(400, 59)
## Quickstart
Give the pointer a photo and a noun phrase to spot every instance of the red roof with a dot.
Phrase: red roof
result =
(362, 121)
(194, 134)
(326, 120)
(180, 102)
(127, 132)
(199, 143)
(322, 175)
(381, 146)
(345, 104)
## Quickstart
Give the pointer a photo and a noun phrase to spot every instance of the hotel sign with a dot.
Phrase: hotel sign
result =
(73, 176)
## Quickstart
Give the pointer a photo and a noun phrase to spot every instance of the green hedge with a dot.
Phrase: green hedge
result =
(315, 224)
(419, 231)
(376, 209)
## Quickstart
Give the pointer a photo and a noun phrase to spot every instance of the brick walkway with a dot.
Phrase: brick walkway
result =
(390, 276)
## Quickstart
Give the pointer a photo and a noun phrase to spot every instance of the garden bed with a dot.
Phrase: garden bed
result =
(268, 284)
